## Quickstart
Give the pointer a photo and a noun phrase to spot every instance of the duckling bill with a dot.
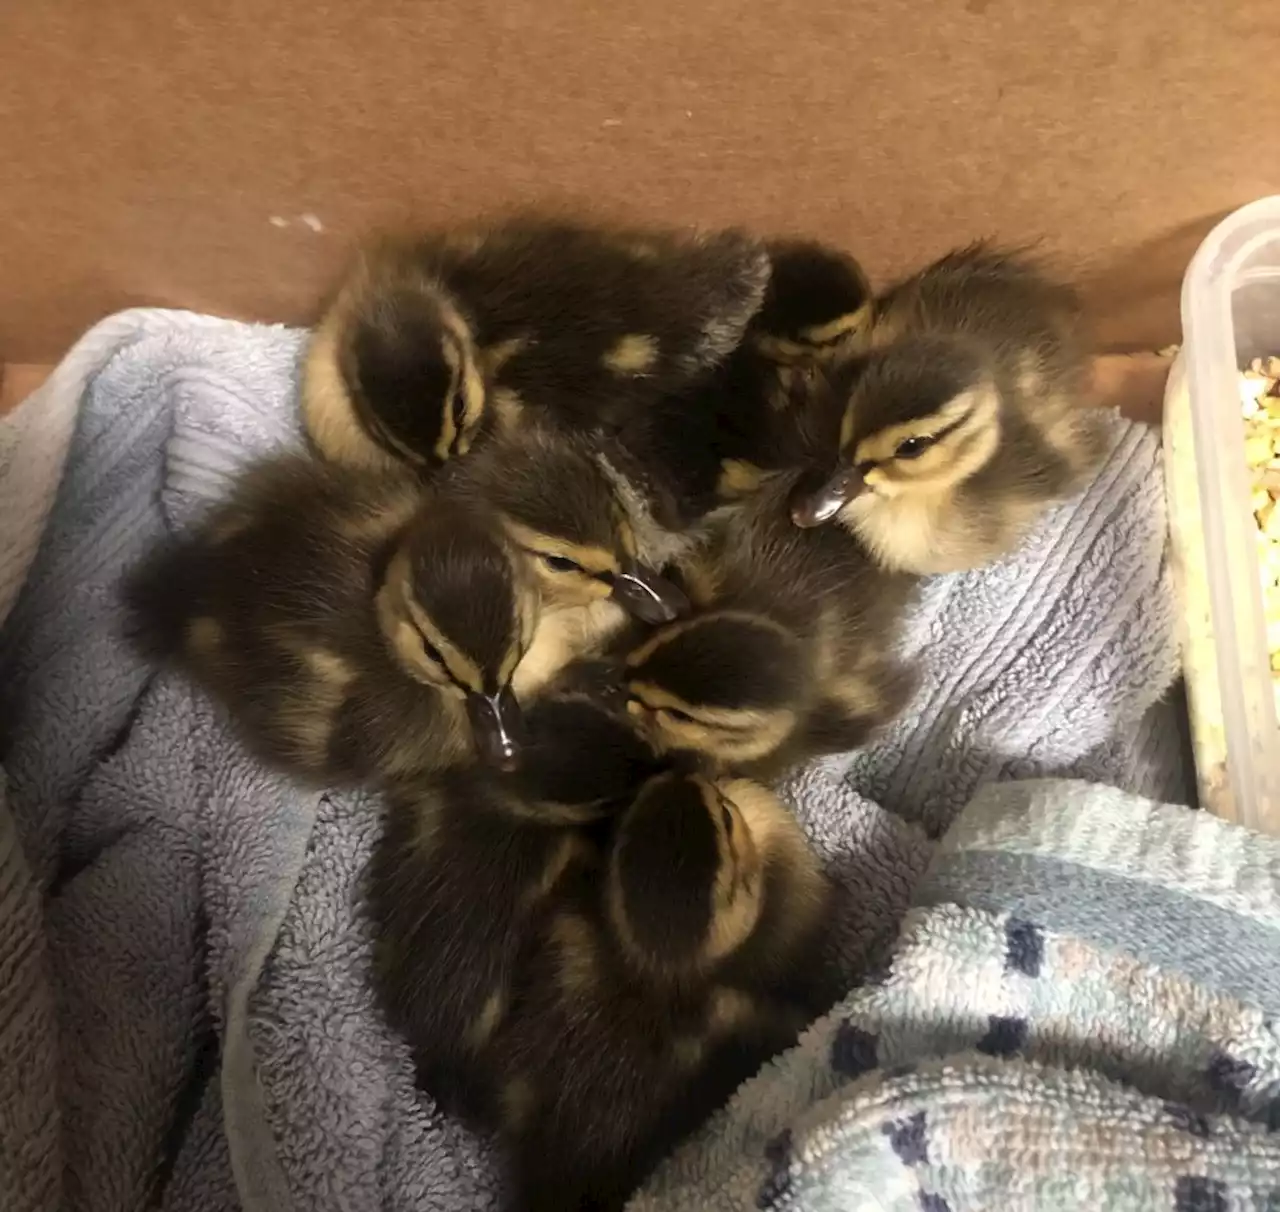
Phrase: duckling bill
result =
(594, 561)
(965, 421)
(754, 415)
(356, 631)
(790, 651)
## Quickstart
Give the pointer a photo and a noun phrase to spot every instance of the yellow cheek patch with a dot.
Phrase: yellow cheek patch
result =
(473, 394)
(639, 655)
(876, 478)
(448, 429)
(655, 698)
(591, 559)
(817, 340)
(456, 347)
(626, 536)
(846, 427)
(652, 699)
(839, 329)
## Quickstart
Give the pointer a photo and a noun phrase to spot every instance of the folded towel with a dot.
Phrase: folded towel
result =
(1078, 1012)
(217, 1043)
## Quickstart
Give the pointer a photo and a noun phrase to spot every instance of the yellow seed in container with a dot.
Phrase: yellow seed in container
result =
(1271, 527)
(1257, 450)
(1260, 503)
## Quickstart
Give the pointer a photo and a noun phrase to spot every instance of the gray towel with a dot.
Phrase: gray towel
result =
(204, 955)
(1079, 1012)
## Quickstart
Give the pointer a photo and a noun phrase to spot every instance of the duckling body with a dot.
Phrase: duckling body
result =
(355, 630)
(639, 1012)
(465, 869)
(790, 651)
(965, 421)
(435, 342)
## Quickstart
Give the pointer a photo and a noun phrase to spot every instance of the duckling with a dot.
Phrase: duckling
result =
(594, 548)
(818, 305)
(752, 416)
(657, 985)
(964, 423)
(357, 629)
(435, 341)
(790, 650)
(465, 865)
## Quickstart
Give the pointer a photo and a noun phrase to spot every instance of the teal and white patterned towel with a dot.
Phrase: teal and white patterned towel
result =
(1079, 1012)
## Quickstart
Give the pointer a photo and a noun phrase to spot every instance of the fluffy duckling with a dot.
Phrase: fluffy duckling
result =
(435, 341)
(649, 1002)
(965, 422)
(356, 629)
(790, 652)
(465, 865)
(593, 547)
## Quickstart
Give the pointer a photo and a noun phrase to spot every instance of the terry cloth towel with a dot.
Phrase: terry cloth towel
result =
(1079, 1012)
(192, 953)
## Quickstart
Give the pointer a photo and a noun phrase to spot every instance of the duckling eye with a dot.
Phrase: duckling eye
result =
(913, 448)
(458, 408)
(561, 564)
(681, 717)
(431, 652)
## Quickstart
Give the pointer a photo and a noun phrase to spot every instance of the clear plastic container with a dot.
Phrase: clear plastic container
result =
(1230, 315)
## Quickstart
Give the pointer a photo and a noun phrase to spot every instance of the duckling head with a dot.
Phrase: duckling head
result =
(725, 685)
(415, 371)
(558, 505)
(922, 418)
(818, 304)
(686, 885)
(582, 756)
(458, 609)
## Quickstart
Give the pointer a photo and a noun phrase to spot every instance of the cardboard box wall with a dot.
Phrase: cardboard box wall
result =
(223, 156)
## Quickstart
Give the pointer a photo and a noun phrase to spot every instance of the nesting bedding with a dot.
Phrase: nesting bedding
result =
(185, 1013)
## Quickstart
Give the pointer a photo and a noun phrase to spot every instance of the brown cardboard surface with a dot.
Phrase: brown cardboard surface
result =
(224, 156)
(18, 382)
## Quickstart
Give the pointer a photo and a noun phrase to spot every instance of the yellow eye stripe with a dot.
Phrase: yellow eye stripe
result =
(591, 559)
(460, 667)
